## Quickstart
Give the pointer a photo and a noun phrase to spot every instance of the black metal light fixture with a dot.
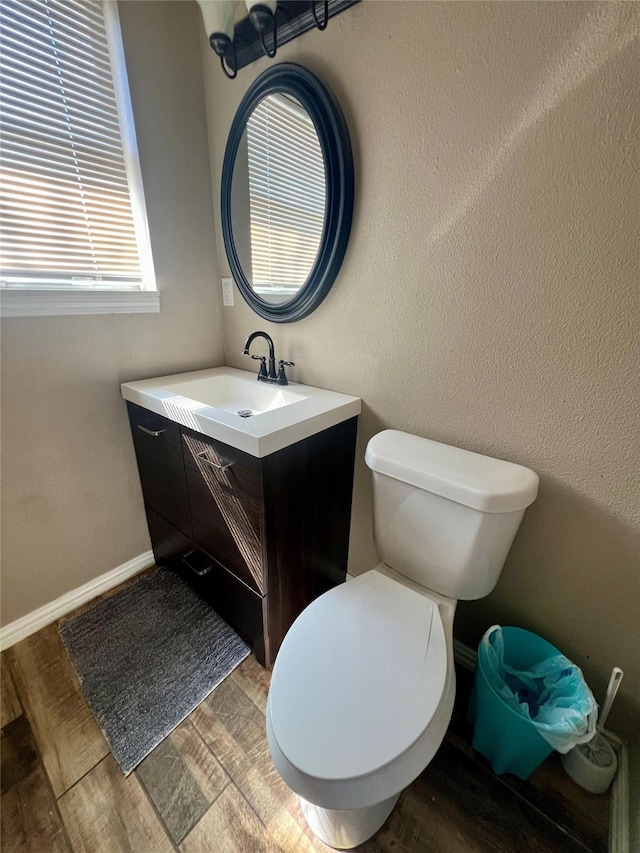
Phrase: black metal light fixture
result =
(219, 23)
(239, 44)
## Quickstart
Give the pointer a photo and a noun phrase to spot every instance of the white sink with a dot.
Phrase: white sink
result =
(232, 406)
(235, 394)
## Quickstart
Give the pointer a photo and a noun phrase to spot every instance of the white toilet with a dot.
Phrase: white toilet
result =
(363, 686)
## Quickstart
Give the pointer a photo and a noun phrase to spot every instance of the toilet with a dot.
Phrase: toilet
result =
(363, 686)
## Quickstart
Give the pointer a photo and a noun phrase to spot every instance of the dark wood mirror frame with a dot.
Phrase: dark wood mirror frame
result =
(333, 136)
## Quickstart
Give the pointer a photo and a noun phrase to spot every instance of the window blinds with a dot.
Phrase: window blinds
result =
(287, 194)
(66, 207)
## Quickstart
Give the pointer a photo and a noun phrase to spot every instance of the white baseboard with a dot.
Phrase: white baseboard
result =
(43, 616)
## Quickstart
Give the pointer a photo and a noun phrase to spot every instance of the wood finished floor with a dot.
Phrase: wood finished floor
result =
(211, 785)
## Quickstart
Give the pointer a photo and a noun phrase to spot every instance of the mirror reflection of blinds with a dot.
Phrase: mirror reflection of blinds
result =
(287, 194)
(67, 217)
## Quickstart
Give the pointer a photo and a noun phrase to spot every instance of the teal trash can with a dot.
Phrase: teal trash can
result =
(508, 740)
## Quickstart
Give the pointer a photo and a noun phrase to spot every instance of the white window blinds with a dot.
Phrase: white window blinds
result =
(72, 210)
(287, 194)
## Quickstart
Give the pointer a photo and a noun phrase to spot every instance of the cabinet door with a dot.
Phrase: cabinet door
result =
(159, 454)
(238, 605)
(169, 545)
(225, 493)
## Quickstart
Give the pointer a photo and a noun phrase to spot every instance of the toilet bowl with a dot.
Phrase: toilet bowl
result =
(363, 686)
(361, 697)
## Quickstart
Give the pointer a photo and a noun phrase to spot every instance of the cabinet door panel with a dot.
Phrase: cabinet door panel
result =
(308, 488)
(169, 545)
(232, 600)
(225, 496)
(159, 454)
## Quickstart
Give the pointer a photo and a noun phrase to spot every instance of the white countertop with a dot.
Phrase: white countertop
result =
(289, 413)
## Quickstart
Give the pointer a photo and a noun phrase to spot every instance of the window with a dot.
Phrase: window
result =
(73, 235)
(286, 194)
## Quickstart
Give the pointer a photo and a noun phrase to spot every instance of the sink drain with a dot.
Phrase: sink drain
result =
(245, 413)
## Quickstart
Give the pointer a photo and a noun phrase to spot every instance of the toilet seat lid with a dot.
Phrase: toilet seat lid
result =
(358, 678)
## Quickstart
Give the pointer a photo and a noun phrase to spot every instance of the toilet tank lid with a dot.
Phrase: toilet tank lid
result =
(472, 479)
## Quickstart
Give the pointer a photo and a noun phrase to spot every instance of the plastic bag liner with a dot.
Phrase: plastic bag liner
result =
(553, 694)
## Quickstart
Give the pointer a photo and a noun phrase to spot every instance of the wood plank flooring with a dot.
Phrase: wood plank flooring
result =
(10, 707)
(29, 817)
(105, 811)
(211, 785)
(68, 737)
(183, 779)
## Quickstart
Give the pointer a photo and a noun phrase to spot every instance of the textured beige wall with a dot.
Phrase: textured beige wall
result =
(490, 293)
(72, 507)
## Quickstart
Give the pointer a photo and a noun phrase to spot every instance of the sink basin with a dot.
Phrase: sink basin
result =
(232, 406)
(236, 395)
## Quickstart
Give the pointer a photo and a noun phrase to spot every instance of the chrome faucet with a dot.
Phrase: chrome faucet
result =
(268, 375)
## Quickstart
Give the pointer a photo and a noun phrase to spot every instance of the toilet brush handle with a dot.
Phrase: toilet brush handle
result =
(612, 689)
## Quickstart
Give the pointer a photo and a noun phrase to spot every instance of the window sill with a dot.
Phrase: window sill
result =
(54, 303)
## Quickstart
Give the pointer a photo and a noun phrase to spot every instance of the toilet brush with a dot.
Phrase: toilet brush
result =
(593, 765)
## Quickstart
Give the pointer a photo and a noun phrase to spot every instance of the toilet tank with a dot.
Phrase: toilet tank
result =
(445, 517)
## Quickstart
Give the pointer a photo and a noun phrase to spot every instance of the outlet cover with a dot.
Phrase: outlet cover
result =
(227, 291)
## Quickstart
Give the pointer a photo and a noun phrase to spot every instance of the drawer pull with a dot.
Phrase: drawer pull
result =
(198, 563)
(154, 432)
(203, 457)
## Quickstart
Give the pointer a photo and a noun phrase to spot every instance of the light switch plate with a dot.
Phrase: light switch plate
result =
(227, 291)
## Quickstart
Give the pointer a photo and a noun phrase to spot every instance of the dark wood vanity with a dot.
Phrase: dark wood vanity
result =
(259, 538)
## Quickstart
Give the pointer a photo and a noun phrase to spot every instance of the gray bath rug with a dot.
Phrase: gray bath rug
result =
(146, 657)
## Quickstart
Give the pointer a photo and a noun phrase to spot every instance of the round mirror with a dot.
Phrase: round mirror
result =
(287, 193)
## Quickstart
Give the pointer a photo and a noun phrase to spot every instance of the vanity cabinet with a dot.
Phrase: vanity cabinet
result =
(259, 538)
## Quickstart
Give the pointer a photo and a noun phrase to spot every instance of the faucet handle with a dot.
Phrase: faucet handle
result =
(282, 376)
(262, 373)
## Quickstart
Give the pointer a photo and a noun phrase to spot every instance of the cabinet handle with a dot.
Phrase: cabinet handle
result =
(199, 572)
(154, 432)
(203, 457)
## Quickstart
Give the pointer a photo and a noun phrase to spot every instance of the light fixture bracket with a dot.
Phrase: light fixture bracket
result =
(321, 25)
(223, 47)
(263, 19)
